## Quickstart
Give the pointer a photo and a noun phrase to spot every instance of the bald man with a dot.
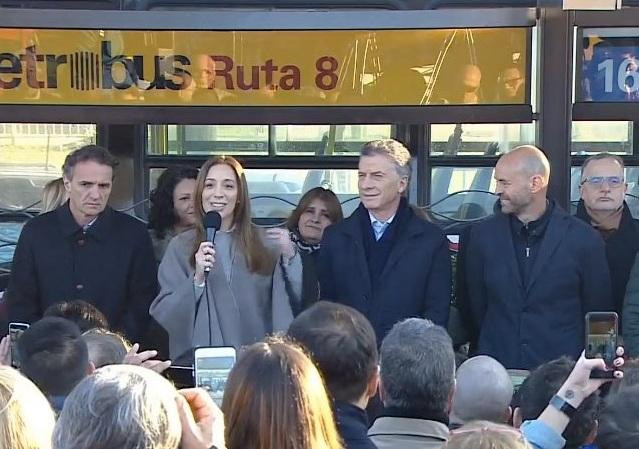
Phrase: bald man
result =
(533, 271)
(482, 393)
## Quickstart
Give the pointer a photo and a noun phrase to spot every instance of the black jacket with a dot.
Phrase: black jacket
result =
(415, 280)
(111, 266)
(352, 424)
(621, 250)
(524, 326)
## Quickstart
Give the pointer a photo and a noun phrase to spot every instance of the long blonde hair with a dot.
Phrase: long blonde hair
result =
(26, 418)
(54, 195)
(258, 258)
(275, 399)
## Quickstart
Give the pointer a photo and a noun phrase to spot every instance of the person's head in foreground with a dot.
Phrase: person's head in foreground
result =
(275, 399)
(120, 407)
(26, 419)
(486, 435)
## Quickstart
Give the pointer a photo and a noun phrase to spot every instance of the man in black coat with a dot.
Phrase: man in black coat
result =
(603, 189)
(85, 250)
(384, 260)
(533, 271)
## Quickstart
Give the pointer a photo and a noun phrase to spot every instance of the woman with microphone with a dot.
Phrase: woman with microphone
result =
(230, 292)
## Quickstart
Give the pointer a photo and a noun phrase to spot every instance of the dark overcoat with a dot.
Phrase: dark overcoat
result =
(110, 265)
(415, 280)
(524, 326)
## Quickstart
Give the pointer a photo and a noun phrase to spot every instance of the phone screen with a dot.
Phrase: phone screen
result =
(601, 336)
(211, 373)
(15, 331)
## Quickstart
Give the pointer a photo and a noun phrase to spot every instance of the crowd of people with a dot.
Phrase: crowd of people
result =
(340, 323)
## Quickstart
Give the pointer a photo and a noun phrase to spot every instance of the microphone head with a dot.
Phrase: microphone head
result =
(212, 220)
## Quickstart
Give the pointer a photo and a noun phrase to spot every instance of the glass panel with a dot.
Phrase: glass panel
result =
(632, 196)
(479, 139)
(327, 140)
(203, 140)
(30, 156)
(9, 233)
(610, 65)
(276, 192)
(462, 193)
(596, 137)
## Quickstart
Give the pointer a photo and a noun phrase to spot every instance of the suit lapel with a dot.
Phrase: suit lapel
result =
(506, 247)
(555, 231)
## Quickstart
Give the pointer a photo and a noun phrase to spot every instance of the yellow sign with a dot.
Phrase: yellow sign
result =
(263, 68)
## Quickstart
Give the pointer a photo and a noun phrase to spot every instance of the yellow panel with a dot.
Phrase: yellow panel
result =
(263, 68)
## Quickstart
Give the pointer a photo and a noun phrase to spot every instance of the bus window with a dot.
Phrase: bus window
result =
(31, 156)
(460, 191)
(489, 139)
(276, 192)
(327, 140)
(204, 140)
(596, 137)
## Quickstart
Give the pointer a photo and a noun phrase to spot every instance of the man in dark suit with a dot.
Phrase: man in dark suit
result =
(533, 271)
(85, 250)
(603, 189)
(384, 260)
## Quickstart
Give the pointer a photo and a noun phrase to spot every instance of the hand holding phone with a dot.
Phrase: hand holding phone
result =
(602, 330)
(212, 368)
(15, 331)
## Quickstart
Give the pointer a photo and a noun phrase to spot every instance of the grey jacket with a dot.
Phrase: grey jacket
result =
(241, 311)
(407, 433)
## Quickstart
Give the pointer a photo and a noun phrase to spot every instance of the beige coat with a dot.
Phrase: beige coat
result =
(407, 433)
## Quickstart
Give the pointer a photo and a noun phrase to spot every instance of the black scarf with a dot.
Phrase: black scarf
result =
(310, 284)
(303, 246)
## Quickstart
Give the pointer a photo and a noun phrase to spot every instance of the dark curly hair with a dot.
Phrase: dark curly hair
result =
(162, 214)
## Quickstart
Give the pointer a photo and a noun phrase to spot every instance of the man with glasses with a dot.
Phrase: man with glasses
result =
(532, 271)
(603, 189)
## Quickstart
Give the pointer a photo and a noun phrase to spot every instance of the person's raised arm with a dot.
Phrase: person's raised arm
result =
(545, 432)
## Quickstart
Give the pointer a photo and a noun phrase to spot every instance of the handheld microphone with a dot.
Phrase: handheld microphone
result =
(211, 222)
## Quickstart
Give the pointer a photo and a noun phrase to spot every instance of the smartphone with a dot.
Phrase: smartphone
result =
(602, 329)
(212, 368)
(15, 331)
(181, 376)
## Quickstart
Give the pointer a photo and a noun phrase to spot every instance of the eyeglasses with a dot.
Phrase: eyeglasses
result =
(597, 181)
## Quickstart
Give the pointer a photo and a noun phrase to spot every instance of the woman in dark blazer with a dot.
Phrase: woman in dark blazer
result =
(318, 208)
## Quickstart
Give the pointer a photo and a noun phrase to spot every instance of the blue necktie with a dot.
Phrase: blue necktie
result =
(379, 228)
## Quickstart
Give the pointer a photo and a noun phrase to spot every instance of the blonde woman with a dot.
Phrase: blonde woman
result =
(486, 435)
(54, 195)
(26, 418)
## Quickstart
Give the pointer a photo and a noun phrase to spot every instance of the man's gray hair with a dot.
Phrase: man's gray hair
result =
(120, 406)
(601, 157)
(417, 366)
(483, 392)
(392, 149)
